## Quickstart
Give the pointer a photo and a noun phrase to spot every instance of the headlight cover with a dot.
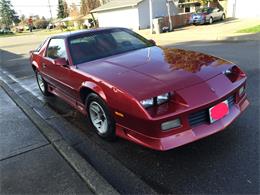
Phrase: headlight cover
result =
(160, 99)
(147, 103)
(234, 73)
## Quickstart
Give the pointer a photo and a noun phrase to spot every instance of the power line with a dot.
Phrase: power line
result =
(35, 5)
(38, 5)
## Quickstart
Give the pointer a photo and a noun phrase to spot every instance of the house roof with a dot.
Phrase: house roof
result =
(117, 4)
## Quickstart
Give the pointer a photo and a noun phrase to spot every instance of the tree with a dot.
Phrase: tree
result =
(60, 9)
(92, 4)
(74, 12)
(7, 14)
(66, 9)
(41, 23)
(88, 5)
(84, 9)
(205, 2)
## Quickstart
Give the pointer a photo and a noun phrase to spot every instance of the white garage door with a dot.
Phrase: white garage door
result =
(244, 8)
(119, 18)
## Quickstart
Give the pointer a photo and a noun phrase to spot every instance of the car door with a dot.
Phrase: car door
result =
(215, 13)
(57, 75)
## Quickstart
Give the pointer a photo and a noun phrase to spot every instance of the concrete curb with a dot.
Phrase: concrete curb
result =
(92, 178)
(54, 125)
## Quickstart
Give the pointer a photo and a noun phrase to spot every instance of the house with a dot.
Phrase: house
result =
(243, 8)
(134, 14)
(187, 6)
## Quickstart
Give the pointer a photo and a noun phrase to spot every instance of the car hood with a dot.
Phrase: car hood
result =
(148, 72)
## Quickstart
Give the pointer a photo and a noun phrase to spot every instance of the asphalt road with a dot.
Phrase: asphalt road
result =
(227, 162)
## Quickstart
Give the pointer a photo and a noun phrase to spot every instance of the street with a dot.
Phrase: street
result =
(227, 162)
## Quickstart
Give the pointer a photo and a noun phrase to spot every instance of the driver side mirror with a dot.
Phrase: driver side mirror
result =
(61, 62)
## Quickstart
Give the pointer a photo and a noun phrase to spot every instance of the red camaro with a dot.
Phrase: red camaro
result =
(128, 87)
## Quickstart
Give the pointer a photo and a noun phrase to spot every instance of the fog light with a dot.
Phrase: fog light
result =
(171, 124)
(241, 91)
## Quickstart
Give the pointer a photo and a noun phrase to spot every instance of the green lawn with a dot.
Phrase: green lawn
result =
(254, 29)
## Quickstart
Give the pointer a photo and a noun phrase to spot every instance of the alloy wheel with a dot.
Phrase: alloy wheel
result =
(40, 82)
(211, 20)
(98, 117)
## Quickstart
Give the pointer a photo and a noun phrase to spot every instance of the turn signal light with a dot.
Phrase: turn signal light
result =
(171, 124)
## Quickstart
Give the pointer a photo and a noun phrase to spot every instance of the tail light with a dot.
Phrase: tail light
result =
(234, 74)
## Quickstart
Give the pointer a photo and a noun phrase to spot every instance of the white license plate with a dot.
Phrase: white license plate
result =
(218, 111)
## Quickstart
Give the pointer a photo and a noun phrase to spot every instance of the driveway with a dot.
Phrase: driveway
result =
(217, 31)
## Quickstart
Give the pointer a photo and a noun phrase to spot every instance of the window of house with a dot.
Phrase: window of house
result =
(187, 9)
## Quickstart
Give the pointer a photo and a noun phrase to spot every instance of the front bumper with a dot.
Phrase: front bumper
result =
(187, 136)
(197, 21)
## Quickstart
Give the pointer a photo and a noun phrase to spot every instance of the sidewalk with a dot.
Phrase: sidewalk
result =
(28, 162)
(98, 169)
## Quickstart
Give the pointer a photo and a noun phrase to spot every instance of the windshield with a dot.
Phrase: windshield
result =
(203, 10)
(100, 44)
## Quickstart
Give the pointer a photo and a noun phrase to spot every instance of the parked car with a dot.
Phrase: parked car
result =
(19, 29)
(207, 15)
(50, 26)
(128, 87)
(5, 31)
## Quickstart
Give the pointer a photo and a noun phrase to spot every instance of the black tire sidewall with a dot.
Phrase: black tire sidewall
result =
(110, 133)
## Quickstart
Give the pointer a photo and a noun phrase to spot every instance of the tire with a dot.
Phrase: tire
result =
(42, 84)
(210, 20)
(223, 17)
(100, 117)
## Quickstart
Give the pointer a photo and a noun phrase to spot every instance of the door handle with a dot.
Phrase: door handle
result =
(44, 65)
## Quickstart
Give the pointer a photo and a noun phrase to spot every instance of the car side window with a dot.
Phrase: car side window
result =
(210, 11)
(56, 49)
(215, 10)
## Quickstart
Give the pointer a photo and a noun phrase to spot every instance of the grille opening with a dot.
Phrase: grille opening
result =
(202, 116)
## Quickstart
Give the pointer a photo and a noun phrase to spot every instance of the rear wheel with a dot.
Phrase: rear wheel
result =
(100, 117)
(43, 86)
(223, 17)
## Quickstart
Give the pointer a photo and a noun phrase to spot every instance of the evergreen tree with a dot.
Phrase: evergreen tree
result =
(60, 10)
(7, 14)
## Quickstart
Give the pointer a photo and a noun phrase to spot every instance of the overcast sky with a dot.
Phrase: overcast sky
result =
(37, 7)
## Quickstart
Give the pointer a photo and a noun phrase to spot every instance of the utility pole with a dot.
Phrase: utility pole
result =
(169, 14)
(50, 8)
(151, 15)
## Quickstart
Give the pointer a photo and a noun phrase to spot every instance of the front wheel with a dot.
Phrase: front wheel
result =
(43, 86)
(210, 20)
(100, 117)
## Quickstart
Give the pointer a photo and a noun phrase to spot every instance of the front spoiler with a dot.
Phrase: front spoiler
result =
(185, 137)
